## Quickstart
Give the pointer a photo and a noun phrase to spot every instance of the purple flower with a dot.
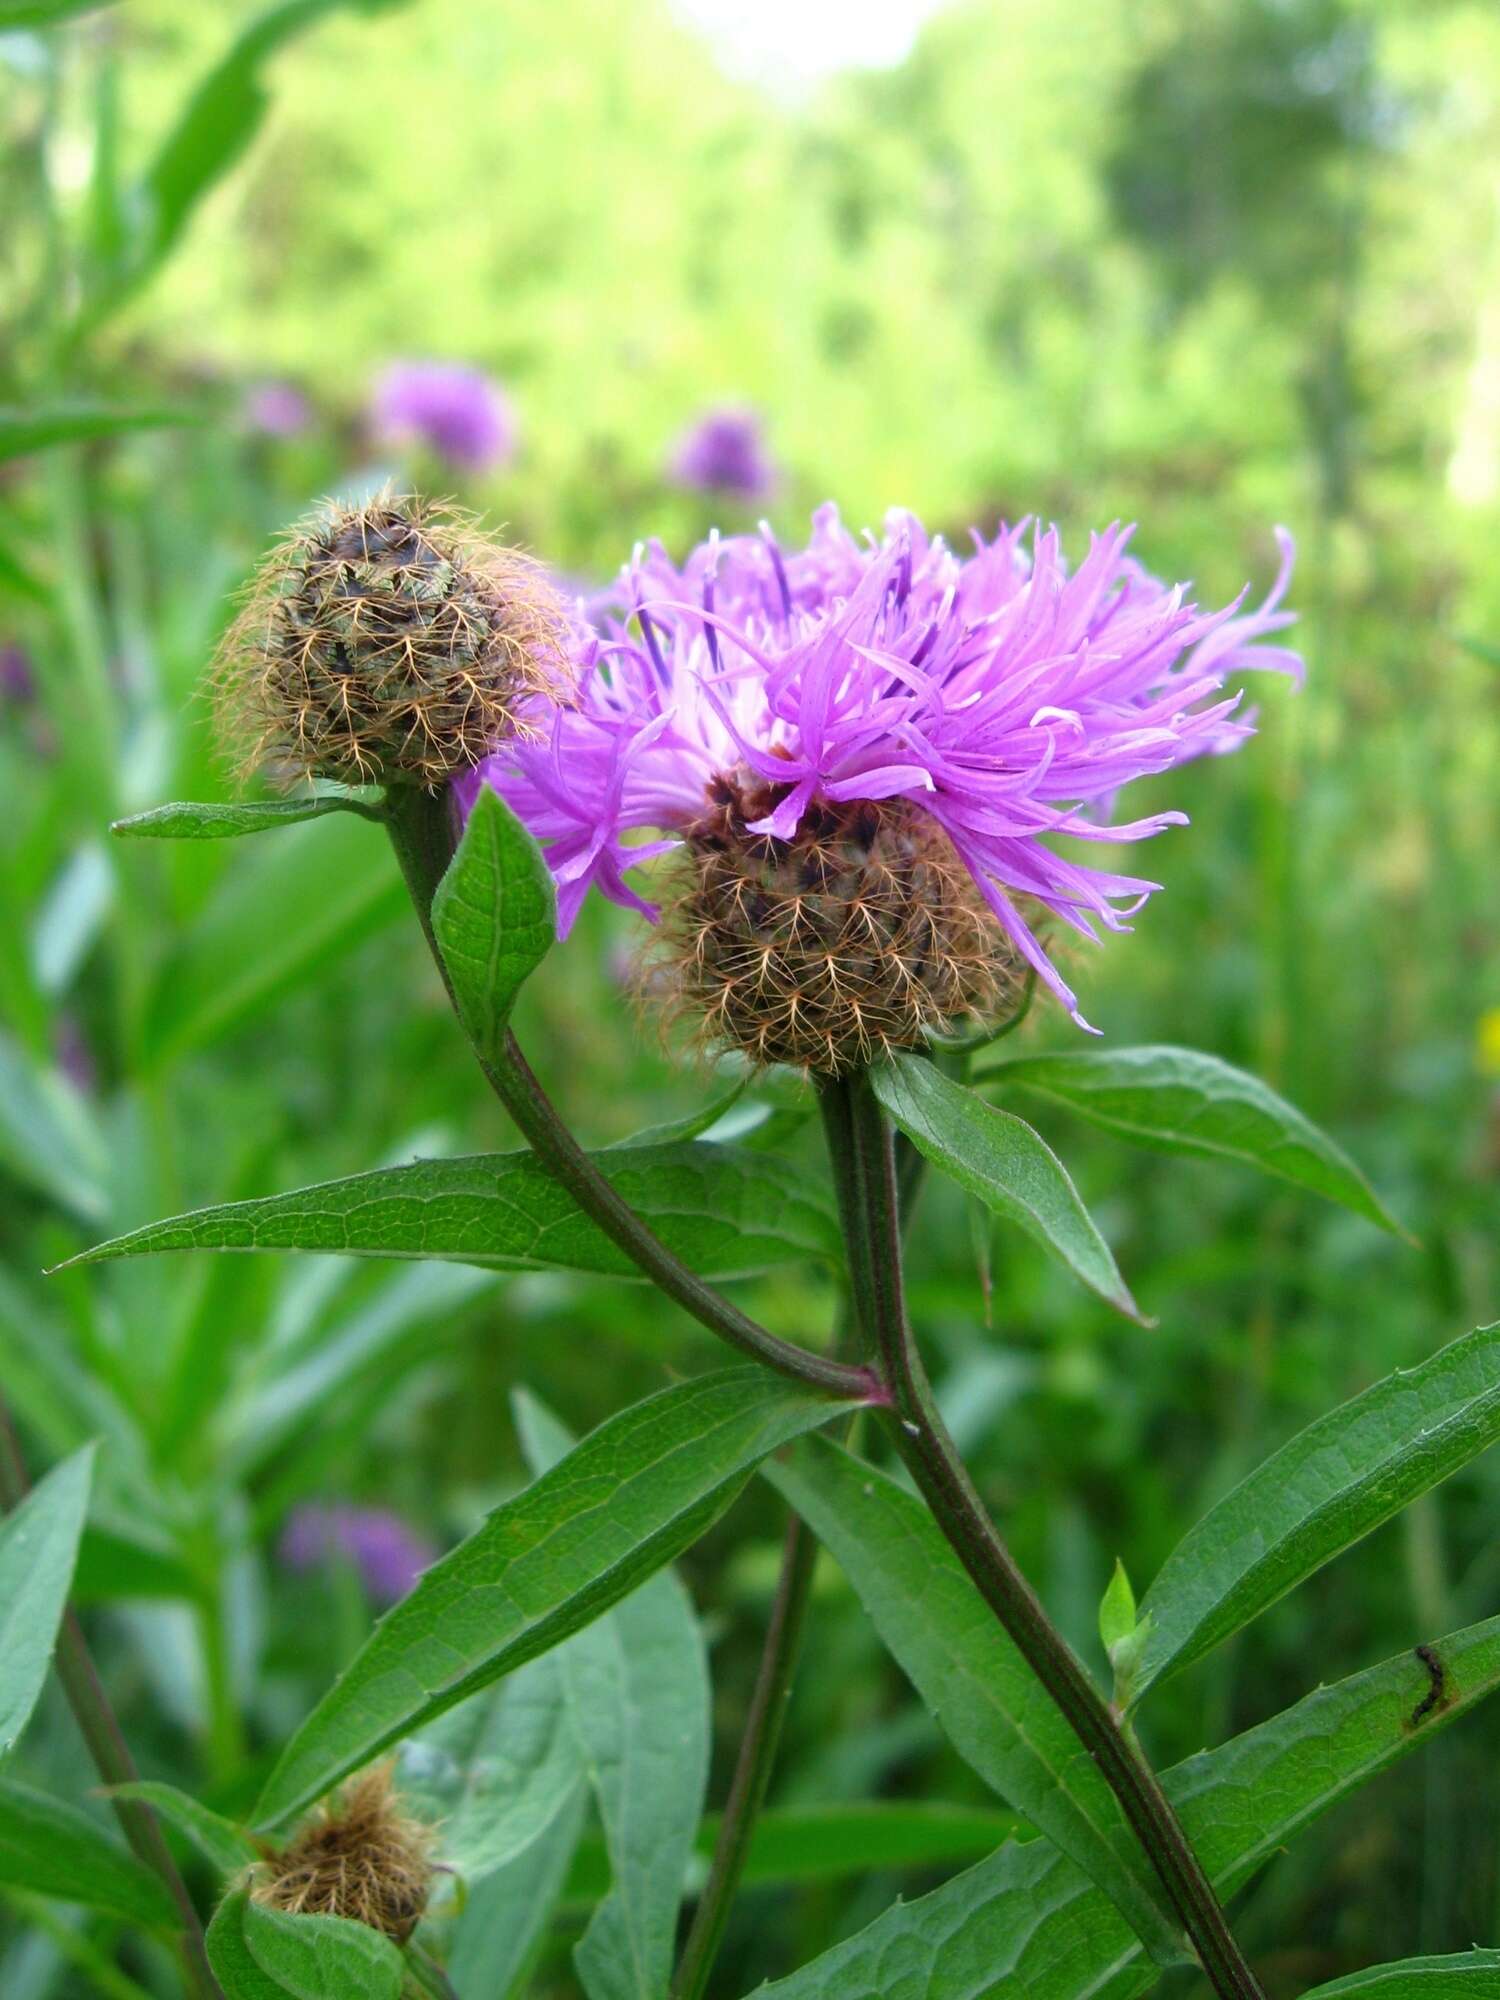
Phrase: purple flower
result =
(724, 452)
(277, 409)
(388, 1554)
(457, 412)
(17, 681)
(1004, 695)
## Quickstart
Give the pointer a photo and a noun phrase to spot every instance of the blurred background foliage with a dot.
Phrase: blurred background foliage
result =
(1205, 264)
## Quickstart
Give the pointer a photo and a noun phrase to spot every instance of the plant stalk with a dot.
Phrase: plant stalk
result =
(101, 1732)
(752, 1771)
(867, 1184)
(422, 832)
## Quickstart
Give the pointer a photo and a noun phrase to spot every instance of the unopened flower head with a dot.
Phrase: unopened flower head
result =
(360, 1857)
(388, 643)
(860, 752)
(725, 452)
(458, 413)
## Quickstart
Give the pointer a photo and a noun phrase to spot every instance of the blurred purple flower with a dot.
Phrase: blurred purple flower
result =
(17, 681)
(388, 1554)
(74, 1056)
(1002, 693)
(725, 452)
(457, 412)
(277, 409)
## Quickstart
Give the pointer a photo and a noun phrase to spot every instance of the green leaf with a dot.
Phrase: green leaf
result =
(994, 1710)
(1465, 1975)
(1028, 1921)
(38, 1548)
(495, 919)
(830, 1843)
(116, 1562)
(43, 13)
(24, 431)
(260, 1954)
(1116, 1611)
(496, 1938)
(635, 1493)
(725, 1211)
(1325, 1489)
(48, 1138)
(1179, 1101)
(637, 1691)
(496, 1771)
(284, 911)
(59, 1851)
(226, 1847)
(996, 1156)
(188, 820)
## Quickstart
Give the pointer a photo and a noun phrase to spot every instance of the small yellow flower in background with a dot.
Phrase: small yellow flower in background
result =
(1487, 1042)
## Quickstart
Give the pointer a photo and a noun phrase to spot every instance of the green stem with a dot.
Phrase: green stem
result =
(106, 1743)
(422, 832)
(867, 1184)
(752, 1771)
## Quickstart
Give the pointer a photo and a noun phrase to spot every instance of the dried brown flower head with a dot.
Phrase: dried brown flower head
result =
(831, 949)
(360, 1856)
(391, 642)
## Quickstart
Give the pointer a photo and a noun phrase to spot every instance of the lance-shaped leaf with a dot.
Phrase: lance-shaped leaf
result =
(1462, 1975)
(48, 1135)
(636, 1684)
(38, 1549)
(998, 1157)
(42, 13)
(495, 1772)
(36, 429)
(505, 1915)
(1026, 1920)
(226, 1847)
(59, 1851)
(187, 819)
(994, 1710)
(633, 1494)
(1325, 1489)
(494, 917)
(725, 1211)
(1180, 1101)
(260, 1954)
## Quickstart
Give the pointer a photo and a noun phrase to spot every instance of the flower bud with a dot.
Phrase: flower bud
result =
(828, 950)
(359, 1857)
(389, 643)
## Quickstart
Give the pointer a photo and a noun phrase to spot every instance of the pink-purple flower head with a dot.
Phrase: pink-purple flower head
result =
(458, 413)
(725, 453)
(999, 697)
(388, 1554)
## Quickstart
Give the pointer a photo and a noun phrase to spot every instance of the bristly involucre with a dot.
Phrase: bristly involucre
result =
(992, 701)
(388, 643)
(360, 1856)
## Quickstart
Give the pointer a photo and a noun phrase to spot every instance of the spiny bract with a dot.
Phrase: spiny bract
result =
(360, 1857)
(827, 950)
(388, 643)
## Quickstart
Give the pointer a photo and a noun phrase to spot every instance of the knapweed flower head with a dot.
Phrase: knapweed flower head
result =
(387, 643)
(860, 754)
(387, 1552)
(724, 452)
(359, 1857)
(277, 409)
(458, 413)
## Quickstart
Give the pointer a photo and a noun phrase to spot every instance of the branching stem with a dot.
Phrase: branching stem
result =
(100, 1729)
(422, 834)
(866, 1180)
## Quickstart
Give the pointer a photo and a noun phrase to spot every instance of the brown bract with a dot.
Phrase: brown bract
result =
(359, 1857)
(392, 642)
(828, 950)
